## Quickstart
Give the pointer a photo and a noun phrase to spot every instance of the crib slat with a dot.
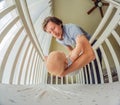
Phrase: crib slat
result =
(27, 71)
(8, 27)
(80, 77)
(33, 69)
(66, 78)
(117, 64)
(35, 77)
(100, 68)
(94, 71)
(51, 82)
(22, 70)
(71, 77)
(107, 64)
(56, 82)
(102, 23)
(7, 50)
(116, 36)
(6, 11)
(86, 75)
(90, 77)
(109, 28)
(61, 80)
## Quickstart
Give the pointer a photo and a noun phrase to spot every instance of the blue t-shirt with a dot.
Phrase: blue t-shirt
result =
(70, 32)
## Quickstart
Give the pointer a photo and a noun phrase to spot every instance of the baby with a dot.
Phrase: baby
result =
(57, 61)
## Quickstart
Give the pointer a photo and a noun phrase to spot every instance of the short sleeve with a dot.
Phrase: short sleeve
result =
(75, 30)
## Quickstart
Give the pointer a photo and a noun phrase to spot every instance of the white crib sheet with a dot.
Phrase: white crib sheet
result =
(101, 94)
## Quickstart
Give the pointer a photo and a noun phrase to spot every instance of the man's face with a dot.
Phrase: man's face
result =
(54, 29)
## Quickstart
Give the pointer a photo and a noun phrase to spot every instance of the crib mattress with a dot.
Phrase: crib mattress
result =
(77, 94)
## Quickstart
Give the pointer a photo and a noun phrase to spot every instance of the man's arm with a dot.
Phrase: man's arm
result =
(87, 56)
(78, 50)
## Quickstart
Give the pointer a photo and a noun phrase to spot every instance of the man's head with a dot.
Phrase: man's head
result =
(53, 25)
(56, 62)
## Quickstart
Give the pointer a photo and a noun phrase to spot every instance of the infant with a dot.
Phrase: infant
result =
(57, 61)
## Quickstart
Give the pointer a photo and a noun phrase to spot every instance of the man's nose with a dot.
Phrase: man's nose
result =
(53, 32)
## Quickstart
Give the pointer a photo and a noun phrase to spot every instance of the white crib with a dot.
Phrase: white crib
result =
(23, 76)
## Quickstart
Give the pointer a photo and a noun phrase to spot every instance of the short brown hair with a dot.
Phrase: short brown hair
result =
(52, 19)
